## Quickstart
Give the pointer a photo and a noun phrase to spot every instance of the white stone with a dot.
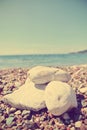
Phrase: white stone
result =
(28, 96)
(59, 97)
(62, 75)
(78, 124)
(72, 128)
(41, 74)
(83, 90)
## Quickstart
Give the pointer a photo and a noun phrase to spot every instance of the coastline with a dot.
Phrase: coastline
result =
(12, 78)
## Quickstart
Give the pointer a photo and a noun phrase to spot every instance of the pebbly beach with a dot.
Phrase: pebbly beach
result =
(12, 118)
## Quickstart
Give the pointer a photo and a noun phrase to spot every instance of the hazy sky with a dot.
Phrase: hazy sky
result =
(42, 26)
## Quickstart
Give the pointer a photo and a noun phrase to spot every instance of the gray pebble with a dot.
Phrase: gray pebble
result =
(66, 116)
(9, 120)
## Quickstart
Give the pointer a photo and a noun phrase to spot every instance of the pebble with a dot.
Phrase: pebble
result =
(42, 126)
(42, 118)
(78, 124)
(83, 90)
(84, 111)
(72, 128)
(66, 116)
(17, 112)
(32, 126)
(2, 106)
(85, 121)
(9, 120)
(7, 110)
(84, 103)
(11, 115)
(8, 92)
(12, 110)
(37, 120)
(25, 112)
(27, 116)
(2, 118)
(17, 84)
(67, 122)
(82, 127)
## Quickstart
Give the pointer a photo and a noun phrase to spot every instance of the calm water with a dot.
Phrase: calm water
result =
(46, 59)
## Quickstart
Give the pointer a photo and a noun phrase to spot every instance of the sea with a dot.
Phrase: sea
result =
(31, 60)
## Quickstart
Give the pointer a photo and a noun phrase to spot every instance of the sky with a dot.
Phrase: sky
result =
(42, 26)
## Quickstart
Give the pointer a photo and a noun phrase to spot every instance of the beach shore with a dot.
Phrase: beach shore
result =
(15, 119)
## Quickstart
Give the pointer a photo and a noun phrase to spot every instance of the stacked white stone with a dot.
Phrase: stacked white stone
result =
(44, 87)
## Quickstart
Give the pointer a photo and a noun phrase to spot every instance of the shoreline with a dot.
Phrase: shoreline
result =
(12, 78)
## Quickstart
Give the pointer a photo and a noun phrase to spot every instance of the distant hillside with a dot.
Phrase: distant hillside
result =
(83, 51)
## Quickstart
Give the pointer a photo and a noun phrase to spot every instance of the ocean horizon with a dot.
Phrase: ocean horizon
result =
(30, 60)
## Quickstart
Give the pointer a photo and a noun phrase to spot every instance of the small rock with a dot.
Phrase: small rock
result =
(66, 116)
(56, 128)
(17, 112)
(2, 119)
(13, 124)
(25, 112)
(68, 128)
(63, 127)
(42, 118)
(72, 128)
(84, 103)
(17, 84)
(12, 115)
(4, 92)
(82, 127)
(12, 110)
(52, 122)
(9, 91)
(51, 128)
(83, 90)
(78, 124)
(80, 117)
(84, 111)
(28, 117)
(85, 121)
(37, 120)
(32, 126)
(9, 120)
(7, 110)
(67, 122)
(42, 126)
